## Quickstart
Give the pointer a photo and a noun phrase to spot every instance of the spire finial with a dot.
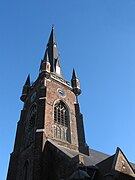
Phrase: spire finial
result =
(52, 26)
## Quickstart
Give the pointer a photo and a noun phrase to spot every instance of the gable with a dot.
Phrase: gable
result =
(121, 164)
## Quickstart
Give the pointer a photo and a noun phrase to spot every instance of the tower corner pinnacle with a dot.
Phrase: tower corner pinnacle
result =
(75, 83)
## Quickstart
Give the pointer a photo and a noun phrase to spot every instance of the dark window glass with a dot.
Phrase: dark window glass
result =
(61, 128)
(32, 118)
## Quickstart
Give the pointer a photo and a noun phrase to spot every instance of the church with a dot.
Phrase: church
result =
(50, 139)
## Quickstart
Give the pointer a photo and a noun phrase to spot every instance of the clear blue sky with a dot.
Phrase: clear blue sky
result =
(97, 38)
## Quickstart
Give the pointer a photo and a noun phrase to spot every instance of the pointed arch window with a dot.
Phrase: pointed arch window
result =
(61, 128)
(30, 126)
(32, 116)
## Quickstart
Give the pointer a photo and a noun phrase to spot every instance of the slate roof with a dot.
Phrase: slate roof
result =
(93, 159)
(96, 156)
(133, 166)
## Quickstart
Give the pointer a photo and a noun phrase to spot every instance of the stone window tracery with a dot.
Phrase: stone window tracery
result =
(30, 126)
(32, 117)
(61, 127)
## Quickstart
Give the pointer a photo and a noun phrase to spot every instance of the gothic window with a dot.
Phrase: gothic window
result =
(61, 126)
(32, 117)
(30, 125)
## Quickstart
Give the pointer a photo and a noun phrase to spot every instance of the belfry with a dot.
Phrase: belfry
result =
(50, 139)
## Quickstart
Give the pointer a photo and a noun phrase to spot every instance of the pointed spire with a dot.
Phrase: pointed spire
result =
(51, 53)
(75, 83)
(52, 38)
(26, 89)
(74, 76)
(45, 64)
(27, 83)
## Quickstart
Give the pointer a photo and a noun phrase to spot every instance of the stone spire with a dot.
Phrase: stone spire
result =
(75, 84)
(53, 54)
(26, 89)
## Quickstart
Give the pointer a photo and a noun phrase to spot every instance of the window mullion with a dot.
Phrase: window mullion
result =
(61, 121)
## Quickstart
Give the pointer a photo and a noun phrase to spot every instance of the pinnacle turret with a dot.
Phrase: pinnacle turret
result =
(75, 83)
(45, 64)
(27, 83)
(74, 76)
(26, 89)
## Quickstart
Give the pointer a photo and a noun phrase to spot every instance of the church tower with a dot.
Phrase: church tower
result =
(51, 112)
